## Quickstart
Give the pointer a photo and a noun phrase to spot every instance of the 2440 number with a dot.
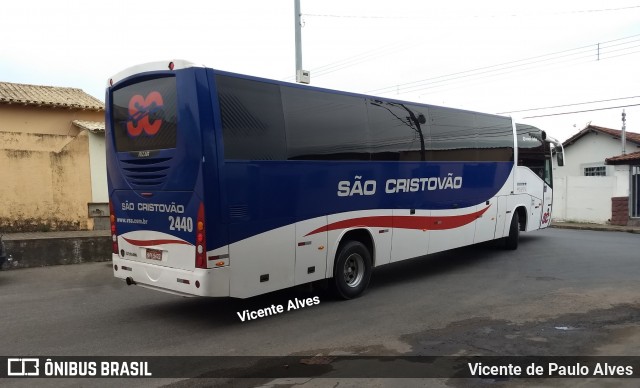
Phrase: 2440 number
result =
(181, 224)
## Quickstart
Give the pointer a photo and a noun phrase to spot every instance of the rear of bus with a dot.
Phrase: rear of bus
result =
(155, 172)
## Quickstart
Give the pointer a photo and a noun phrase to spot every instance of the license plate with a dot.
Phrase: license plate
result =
(154, 254)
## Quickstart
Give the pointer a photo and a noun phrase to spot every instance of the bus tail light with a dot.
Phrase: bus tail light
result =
(114, 234)
(201, 243)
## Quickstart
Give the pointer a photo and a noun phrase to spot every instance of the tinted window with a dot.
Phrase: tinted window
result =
(532, 149)
(252, 121)
(495, 137)
(452, 135)
(469, 136)
(144, 115)
(324, 126)
(396, 130)
(529, 138)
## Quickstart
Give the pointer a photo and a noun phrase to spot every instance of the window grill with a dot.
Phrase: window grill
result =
(595, 171)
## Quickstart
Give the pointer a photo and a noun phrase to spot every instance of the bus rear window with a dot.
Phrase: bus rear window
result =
(144, 115)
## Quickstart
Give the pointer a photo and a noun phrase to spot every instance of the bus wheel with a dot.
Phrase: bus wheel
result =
(511, 241)
(352, 270)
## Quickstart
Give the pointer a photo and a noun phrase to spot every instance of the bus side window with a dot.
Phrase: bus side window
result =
(252, 121)
(325, 126)
(393, 134)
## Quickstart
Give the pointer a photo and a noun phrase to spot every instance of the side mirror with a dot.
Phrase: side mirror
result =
(422, 119)
(559, 149)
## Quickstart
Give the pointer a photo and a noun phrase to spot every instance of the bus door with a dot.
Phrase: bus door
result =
(547, 195)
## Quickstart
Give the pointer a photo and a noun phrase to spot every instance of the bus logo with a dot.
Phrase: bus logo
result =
(143, 114)
(545, 218)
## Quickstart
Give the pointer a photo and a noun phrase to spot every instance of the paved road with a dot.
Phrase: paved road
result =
(473, 301)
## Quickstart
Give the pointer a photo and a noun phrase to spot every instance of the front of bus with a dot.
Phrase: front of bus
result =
(155, 178)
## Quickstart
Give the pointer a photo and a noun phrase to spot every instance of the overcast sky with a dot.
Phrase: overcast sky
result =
(490, 56)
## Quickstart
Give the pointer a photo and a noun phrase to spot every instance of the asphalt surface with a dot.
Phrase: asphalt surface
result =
(563, 292)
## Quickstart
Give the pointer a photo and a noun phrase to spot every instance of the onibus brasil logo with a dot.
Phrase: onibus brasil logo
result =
(142, 114)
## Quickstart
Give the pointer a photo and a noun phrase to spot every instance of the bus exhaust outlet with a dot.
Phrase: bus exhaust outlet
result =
(130, 281)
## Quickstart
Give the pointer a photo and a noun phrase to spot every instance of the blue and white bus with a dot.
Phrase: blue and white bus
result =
(227, 185)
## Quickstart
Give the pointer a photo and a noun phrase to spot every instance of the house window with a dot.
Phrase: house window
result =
(595, 171)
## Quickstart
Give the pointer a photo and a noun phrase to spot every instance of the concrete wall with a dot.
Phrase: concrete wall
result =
(45, 170)
(44, 120)
(45, 182)
(583, 198)
(98, 165)
(40, 252)
(588, 199)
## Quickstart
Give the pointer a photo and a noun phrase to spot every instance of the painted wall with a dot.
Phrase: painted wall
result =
(46, 182)
(44, 120)
(98, 164)
(584, 198)
(45, 173)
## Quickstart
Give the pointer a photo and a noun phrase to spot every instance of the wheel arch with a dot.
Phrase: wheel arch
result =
(362, 235)
(522, 217)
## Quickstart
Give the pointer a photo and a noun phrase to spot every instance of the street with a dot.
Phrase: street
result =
(563, 292)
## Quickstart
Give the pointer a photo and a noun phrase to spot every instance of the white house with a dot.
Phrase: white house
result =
(585, 186)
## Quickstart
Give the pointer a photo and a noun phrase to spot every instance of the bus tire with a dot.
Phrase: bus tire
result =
(511, 241)
(352, 270)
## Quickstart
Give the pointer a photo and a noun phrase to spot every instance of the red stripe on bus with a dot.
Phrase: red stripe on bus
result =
(405, 222)
(141, 243)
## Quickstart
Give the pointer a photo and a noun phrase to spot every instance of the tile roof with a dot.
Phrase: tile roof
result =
(632, 158)
(52, 96)
(616, 133)
(92, 126)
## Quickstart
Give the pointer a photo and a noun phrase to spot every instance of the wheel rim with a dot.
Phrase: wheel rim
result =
(353, 270)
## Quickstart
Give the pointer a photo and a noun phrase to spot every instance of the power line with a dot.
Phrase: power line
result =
(622, 55)
(353, 16)
(354, 60)
(460, 84)
(596, 51)
(585, 11)
(549, 66)
(493, 70)
(567, 105)
(581, 111)
(502, 71)
(340, 65)
(473, 72)
(395, 87)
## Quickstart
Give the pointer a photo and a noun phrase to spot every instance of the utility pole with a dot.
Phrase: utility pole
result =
(624, 133)
(302, 76)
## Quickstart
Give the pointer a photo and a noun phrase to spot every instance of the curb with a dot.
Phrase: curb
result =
(598, 227)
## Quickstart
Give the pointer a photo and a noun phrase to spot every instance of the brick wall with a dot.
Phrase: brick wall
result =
(619, 210)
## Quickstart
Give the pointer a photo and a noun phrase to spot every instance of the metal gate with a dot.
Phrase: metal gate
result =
(634, 208)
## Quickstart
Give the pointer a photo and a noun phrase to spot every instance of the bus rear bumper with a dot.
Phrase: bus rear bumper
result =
(199, 282)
